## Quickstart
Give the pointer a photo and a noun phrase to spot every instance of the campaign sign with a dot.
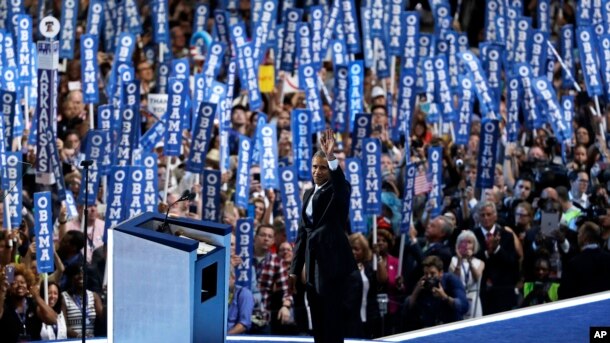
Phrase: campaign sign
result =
(201, 137)
(466, 103)
(407, 200)
(371, 158)
(513, 98)
(353, 175)
(291, 201)
(588, 60)
(490, 131)
(135, 196)
(308, 77)
(95, 17)
(356, 89)
(211, 194)
(244, 248)
(69, 14)
(406, 101)
(269, 157)
(89, 68)
(435, 172)
(340, 104)
(13, 194)
(43, 228)
(173, 132)
(362, 130)
(242, 189)
(24, 44)
(291, 20)
(302, 146)
(118, 187)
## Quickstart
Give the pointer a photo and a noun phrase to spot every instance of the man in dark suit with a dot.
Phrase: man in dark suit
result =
(589, 271)
(323, 250)
(501, 262)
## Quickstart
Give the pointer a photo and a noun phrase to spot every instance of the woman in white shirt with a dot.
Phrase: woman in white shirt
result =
(58, 330)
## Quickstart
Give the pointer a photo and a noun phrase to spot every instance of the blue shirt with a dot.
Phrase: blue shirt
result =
(240, 308)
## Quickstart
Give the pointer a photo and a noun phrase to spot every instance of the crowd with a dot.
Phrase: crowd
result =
(540, 234)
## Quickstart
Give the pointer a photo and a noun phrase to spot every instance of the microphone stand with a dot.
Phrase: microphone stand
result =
(164, 227)
(85, 164)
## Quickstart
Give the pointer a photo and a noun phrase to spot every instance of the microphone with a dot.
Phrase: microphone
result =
(86, 163)
(186, 195)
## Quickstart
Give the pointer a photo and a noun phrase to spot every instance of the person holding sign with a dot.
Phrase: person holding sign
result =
(322, 248)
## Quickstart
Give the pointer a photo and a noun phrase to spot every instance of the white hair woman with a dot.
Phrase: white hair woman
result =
(469, 269)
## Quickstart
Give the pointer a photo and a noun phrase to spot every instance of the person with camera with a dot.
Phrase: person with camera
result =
(469, 270)
(438, 297)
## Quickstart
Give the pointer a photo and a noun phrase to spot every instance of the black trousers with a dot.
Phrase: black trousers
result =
(327, 316)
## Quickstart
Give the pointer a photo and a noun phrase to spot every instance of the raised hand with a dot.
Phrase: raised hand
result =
(327, 144)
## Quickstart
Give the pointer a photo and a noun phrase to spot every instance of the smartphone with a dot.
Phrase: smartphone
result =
(10, 273)
(549, 222)
(193, 208)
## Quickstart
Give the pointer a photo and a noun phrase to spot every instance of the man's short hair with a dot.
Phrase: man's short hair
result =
(433, 261)
(267, 226)
(590, 233)
(562, 193)
(319, 153)
(486, 204)
(446, 226)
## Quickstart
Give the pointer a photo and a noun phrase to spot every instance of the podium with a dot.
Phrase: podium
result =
(162, 287)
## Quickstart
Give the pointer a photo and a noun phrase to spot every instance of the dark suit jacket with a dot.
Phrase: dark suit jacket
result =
(588, 272)
(331, 260)
(501, 268)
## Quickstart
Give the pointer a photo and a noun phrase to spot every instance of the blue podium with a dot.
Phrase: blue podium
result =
(168, 288)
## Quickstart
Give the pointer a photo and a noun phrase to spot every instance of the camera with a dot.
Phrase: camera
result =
(459, 164)
(430, 283)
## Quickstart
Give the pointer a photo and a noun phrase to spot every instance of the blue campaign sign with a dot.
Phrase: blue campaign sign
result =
(12, 9)
(151, 189)
(316, 17)
(356, 89)
(173, 132)
(201, 137)
(538, 48)
(135, 197)
(353, 175)
(396, 28)
(567, 104)
(118, 187)
(133, 22)
(109, 24)
(444, 96)
(291, 202)
(163, 77)
(465, 108)
(13, 190)
(263, 29)
(89, 68)
(473, 65)
(529, 100)
(304, 52)
(361, 129)
(200, 17)
(339, 53)
(24, 44)
(10, 59)
(43, 227)
(567, 54)
(211, 194)
(371, 159)
(340, 104)
(435, 172)
(69, 14)
(160, 22)
(406, 101)
(546, 93)
(44, 114)
(523, 27)
(588, 60)
(242, 189)
(125, 146)
(95, 17)
(95, 145)
(244, 248)
(350, 26)
(490, 131)
(302, 146)
(513, 100)
(291, 20)
(407, 199)
(308, 77)
(492, 65)
(334, 19)
(269, 157)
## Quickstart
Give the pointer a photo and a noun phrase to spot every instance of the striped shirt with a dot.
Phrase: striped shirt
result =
(74, 313)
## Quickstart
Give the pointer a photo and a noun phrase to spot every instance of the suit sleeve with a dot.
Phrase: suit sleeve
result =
(299, 251)
(341, 187)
